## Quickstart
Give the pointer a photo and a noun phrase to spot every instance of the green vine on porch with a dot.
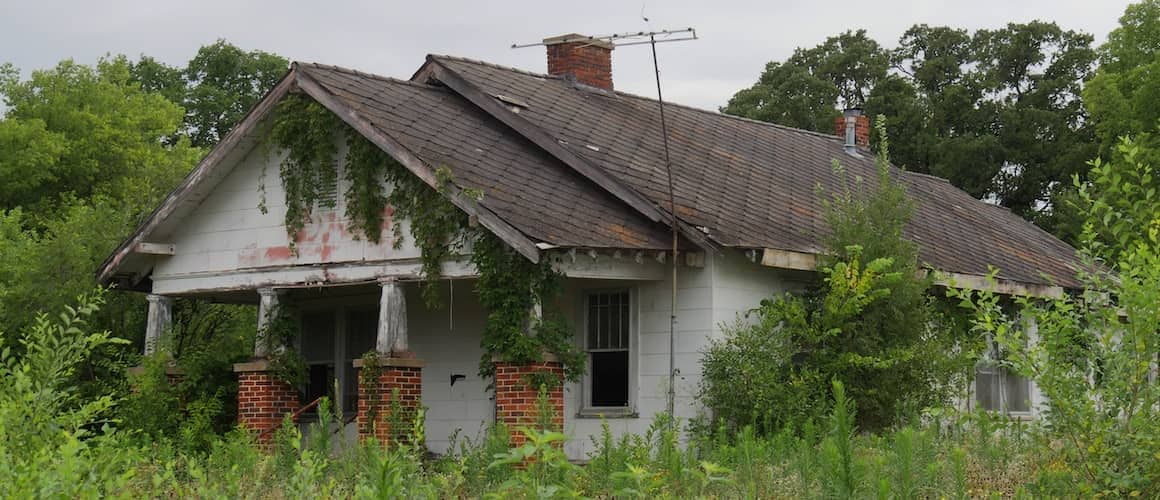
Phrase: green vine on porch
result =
(509, 285)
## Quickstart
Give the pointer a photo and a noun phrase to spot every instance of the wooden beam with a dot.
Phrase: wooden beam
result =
(800, 261)
(1000, 286)
(785, 259)
(155, 248)
(399, 152)
(207, 165)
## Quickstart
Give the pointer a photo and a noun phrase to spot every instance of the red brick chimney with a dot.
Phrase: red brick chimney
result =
(580, 58)
(854, 127)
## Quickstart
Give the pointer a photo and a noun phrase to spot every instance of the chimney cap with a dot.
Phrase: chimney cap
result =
(578, 38)
(855, 111)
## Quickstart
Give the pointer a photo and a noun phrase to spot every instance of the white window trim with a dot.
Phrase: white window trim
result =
(586, 409)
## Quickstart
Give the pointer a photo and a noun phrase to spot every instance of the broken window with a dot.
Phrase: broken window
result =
(608, 332)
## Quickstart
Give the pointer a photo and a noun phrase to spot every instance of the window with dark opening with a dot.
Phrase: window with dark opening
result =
(608, 332)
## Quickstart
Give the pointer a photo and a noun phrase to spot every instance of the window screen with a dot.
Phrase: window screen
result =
(998, 389)
(607, 331)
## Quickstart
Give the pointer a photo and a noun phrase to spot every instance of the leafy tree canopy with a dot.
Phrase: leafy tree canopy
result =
(997, 112)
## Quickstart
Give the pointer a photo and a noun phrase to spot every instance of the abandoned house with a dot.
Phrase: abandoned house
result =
(568, 171)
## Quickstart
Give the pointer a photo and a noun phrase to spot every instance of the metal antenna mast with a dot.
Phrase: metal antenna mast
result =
(639, 38)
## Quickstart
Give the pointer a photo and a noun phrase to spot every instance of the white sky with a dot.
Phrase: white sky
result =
(391, 37)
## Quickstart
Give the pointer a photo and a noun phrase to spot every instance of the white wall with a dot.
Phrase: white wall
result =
(707, 298)
(227, 232)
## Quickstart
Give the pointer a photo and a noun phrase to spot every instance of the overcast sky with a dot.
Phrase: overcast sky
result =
(737, 37)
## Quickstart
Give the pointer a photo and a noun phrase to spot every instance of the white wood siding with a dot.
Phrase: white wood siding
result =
(227, 233)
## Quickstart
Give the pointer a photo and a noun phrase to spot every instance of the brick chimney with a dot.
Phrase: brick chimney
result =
(854, 127)
(580, 58)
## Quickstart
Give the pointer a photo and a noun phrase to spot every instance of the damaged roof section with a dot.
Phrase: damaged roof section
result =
(753, 184)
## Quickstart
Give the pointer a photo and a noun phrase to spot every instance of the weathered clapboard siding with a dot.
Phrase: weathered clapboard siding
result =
(228, 234)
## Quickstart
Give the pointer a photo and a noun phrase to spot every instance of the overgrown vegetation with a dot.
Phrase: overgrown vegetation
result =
(870, 322)
(59, 445)
(509, 286)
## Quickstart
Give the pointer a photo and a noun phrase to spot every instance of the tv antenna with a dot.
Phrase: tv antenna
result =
(652, 38)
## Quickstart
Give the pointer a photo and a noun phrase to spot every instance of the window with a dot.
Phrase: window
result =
(998, 388)
(317, 347)
(608, 337)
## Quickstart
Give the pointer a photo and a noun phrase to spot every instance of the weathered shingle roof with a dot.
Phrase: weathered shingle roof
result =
(521, 183)
(753, 184)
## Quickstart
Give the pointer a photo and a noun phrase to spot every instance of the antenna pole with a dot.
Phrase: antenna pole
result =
(637, 38)
(672, 396)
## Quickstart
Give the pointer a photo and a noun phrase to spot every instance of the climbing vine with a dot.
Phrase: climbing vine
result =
(509, 285)
(279, 335)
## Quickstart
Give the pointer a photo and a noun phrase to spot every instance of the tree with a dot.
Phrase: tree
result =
(997, 112)
(802, 91)
(1124, 95)
(81, 131)
(223, 83)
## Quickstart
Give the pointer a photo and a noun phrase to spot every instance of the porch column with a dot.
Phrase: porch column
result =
(517, 389)
(263, 398)
(268, 302)
(390, 382)
(158, 322)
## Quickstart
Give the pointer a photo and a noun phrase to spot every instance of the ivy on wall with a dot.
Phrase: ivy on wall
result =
(509, 285)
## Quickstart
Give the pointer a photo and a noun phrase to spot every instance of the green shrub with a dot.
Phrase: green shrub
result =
(869, 322)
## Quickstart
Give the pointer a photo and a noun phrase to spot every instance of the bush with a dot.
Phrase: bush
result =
(869, 323)
(1094, 355)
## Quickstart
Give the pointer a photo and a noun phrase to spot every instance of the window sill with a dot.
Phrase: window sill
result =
(607, 413)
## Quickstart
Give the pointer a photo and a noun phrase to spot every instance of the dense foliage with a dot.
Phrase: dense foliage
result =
(997, 112)
(85, 153)
(510, 287)
(59, 445)
(1094, 356)
(870, 323)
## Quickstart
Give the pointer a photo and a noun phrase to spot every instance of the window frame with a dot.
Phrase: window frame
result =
(1000, 371)
(586, 409)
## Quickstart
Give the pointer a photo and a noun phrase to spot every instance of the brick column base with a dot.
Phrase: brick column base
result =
(400, 378)
(263, 399)
(517, 392)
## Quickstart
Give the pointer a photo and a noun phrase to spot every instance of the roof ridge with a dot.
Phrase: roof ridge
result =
(364, 74)
(494, 65)
(636, 96)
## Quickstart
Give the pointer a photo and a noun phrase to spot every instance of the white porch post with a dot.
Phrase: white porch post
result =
(268, 301)
(392, 333)
(158, 321)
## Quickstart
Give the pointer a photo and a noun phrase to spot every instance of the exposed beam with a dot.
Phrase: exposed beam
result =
(155, 248)
(399, 152)
(785, 259)
(800, 261)
(1000, 286)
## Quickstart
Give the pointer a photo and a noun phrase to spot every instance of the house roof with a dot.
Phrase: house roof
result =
(565, 165)
(753, 184)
